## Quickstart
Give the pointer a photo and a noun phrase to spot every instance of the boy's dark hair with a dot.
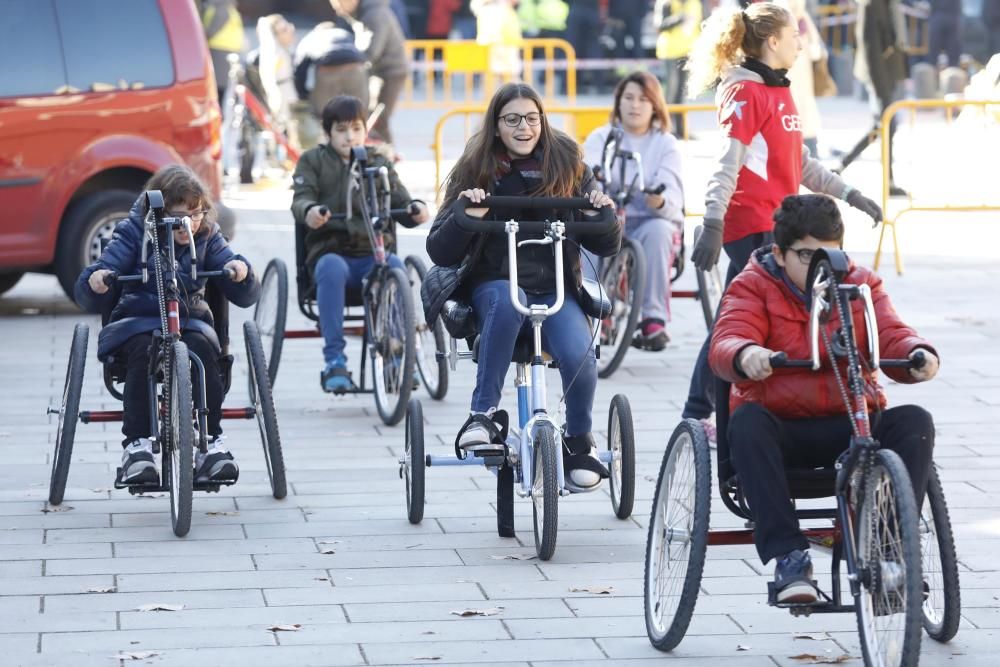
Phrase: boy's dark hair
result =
(342, 109)
(807, 215)
(180, 187)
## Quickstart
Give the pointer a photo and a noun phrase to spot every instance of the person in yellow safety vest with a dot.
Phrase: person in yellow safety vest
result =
(498, 27)
(543, 18)
(224, 32)
(680, 25)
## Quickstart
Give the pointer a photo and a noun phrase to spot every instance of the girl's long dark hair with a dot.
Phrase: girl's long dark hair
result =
(560, 156)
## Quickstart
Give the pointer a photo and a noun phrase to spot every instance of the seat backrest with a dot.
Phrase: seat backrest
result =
(306, 289)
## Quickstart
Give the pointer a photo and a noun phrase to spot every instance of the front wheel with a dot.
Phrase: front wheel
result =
(888, 547)
(263, 406)
(545, 490)
(412, 465)
(942, 609)
(621, 444)
(392, 346)
(179, 445)
(69, 411)
(430, 339)
(710, 288)
(270, 315)
(624, 280)
(678, 536)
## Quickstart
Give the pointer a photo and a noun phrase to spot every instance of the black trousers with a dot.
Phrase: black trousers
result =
(136, 421)
(762, 446)
(700, 402)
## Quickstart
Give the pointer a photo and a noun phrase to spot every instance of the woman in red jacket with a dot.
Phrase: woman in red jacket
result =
(795, 417)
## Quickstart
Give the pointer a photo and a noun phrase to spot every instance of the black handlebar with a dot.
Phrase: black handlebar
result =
(600, 225)
(111, 278)
(919, 360)
(655, 191)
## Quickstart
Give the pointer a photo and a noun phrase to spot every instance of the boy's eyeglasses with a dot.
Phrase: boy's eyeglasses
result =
(514, 119)
(805, 255)
(196, 216)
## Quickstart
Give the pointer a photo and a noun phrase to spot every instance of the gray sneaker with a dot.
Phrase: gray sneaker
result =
(480, 433)
(216, 464)
(139, 464)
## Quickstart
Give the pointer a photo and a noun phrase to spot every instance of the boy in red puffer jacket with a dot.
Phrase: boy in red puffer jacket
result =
(795, 417)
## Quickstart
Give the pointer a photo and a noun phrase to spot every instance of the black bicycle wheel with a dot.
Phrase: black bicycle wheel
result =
(942, 609)
(621, 444)
(624, 280)
(545, 490)
(393, 346)
(678, 536)
(270, 315)
(430, 342)
(263, 405)
(69, 412)
(412, 466)
(887, 539)
(178, 427)
(710, 288)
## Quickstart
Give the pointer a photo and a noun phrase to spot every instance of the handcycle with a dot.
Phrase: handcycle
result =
(532, 456)
(177, 405)
(624, 276)
(876, 532)
(394, 333)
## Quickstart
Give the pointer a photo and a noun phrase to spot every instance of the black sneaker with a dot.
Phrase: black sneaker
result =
(583, 470)
(138, 463)
(216, 464)
(793, 578)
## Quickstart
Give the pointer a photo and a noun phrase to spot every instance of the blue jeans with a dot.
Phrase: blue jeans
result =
(566, 336)
(334, 274)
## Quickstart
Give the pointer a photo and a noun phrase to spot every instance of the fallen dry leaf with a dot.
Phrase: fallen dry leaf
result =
(811, 659)
(490, 611)
(742, 647)
(321, 578)
(294, 627)
(58, 508)
(328, 551)
(135, 655)
(159, 606)
(427, 657)
(514, 557)
(329, 542)
(222, 513)
(595, 590)
(818, 638)
(100, 490)
(109, 589)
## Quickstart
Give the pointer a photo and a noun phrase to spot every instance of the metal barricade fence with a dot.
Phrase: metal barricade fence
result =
(435, 64)
(958, 144)
(578, 122)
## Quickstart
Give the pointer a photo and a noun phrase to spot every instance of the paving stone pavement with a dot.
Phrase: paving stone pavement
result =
(338, 558)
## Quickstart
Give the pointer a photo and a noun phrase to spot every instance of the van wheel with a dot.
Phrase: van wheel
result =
(87, 221)
(8, 280)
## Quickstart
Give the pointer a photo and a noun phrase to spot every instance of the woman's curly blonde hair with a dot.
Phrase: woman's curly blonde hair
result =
(728, 36)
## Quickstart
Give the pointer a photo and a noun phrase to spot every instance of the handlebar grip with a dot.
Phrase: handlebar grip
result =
(781, 360)
(601, 225)
(918, 361)
(110, 278)
(230, 274)
(323, 210)
(657, 190)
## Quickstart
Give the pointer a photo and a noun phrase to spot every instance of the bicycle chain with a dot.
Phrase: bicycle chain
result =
(166, 348)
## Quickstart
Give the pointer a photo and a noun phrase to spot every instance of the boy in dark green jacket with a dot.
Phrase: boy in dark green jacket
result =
(338, 252)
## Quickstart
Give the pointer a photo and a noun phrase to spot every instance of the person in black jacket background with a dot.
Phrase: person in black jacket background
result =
(136, 314)
(516, 152)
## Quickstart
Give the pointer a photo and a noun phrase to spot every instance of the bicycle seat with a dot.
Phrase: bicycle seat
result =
(523, 349)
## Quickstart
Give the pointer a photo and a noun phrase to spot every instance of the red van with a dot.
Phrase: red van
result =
(95, 97)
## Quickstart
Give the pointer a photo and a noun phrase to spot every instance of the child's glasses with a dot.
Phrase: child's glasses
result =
(805, 255)
(514, 119)
(196, 216)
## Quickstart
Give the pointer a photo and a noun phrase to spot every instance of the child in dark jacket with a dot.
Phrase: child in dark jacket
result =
(136, 314)
(795, 417)
(338, 252)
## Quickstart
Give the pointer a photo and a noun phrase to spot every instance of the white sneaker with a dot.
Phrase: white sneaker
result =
(216, 464)
(476, 434)
(139, 464)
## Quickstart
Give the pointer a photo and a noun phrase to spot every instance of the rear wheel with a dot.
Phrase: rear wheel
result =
(179, 445)
(263, 406)
(623, 278)
(8, 279)
(545, 490)
(69, 411)
(270, 315)
(89, 220)
(412, 465)
(621, 444)
(393, 346)
(678, 536)
(943, 607)
(430, 341)
(888, 547)
(710, 288)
